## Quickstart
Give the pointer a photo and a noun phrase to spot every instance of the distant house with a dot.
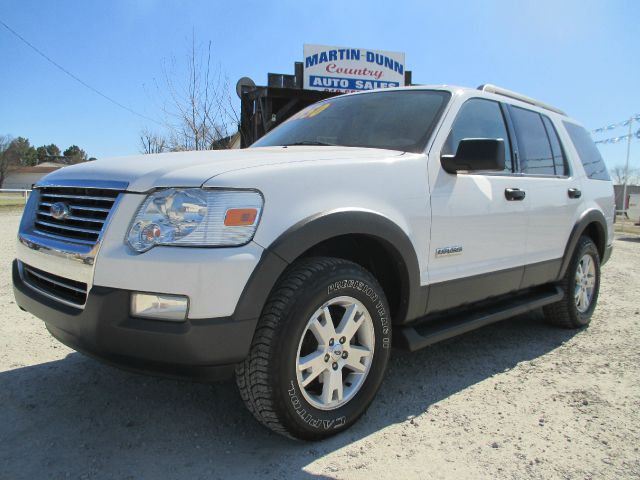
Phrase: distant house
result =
(618, 193)
(25, 177)
(230, 142)
(234, 141)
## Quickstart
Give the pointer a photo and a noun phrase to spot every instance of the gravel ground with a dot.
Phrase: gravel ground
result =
(514, 400)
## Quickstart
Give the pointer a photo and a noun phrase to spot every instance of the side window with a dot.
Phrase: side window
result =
(588, 152)
(479, 118)
(534, 148)
(559, 161)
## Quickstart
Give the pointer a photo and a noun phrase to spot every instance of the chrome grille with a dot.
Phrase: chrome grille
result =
(69, 291)
(87, 210)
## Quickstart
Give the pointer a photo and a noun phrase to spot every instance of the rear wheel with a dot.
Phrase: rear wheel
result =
(320, 349)
(581, 285)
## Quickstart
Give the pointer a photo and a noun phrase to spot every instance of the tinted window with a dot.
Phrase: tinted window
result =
(588, 152)
(397, 120)
(479, 118)
(559, 162)
(535, 152)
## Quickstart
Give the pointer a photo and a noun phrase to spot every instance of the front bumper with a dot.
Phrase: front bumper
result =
(202, 349)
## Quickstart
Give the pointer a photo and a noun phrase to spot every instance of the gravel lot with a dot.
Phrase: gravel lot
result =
(513, 400)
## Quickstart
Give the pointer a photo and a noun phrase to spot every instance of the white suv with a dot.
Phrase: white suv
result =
(415, 214)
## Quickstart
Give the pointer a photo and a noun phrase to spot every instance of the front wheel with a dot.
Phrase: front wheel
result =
(320, 349)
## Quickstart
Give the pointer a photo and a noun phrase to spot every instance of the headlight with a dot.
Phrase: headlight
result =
(195, 217)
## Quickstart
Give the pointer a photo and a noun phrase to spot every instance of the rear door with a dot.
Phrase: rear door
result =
(553, 193)
(477, 232)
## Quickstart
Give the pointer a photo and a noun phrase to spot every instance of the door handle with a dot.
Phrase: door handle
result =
(574, 193)
(514, 194)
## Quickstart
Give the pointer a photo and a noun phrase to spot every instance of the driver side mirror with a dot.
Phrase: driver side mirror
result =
(475, 154)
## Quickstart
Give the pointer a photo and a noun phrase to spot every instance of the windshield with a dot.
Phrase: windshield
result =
(396, 120)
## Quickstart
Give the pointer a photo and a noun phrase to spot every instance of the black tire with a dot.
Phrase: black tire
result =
(267, 378)
(565, 313)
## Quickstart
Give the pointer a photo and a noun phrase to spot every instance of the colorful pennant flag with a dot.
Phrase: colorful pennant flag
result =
(613, 126)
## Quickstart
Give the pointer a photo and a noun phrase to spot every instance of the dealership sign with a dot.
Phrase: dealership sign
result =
(340, 69)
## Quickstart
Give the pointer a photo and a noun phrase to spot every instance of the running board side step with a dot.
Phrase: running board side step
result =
(420, 336)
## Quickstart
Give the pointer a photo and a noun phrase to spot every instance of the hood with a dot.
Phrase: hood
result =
(193, 169)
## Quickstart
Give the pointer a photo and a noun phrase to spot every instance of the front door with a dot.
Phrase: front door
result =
(478, 223)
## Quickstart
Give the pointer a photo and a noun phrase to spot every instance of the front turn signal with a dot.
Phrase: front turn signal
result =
(240, 217)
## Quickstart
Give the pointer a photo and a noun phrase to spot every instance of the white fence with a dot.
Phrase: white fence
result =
(13, 197)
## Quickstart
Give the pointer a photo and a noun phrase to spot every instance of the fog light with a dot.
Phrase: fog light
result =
(159, 306)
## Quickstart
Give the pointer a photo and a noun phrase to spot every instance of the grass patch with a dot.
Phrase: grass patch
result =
(11, 202)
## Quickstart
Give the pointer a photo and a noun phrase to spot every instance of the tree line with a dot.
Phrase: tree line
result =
(18, 152)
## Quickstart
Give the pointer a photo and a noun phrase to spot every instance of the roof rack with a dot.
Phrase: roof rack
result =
(511, 94)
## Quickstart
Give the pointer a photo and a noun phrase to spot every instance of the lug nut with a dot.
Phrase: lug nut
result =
(345, 354)
(331, 342)
(326, 357)
(343, 339)
(335, 366)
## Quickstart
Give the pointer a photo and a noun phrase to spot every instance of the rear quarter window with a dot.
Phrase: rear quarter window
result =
(588, 152)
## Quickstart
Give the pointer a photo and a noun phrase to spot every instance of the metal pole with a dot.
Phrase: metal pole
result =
(626, 169)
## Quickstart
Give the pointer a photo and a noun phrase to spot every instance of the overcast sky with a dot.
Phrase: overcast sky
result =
(581, 56)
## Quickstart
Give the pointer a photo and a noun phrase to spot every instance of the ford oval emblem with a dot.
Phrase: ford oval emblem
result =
(59, 210)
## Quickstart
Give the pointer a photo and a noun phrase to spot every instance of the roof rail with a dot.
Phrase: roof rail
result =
(487, 87)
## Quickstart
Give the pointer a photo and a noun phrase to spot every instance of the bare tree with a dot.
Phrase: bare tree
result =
(6, 160)
(151, 142)
(619, 175)
(199, 112)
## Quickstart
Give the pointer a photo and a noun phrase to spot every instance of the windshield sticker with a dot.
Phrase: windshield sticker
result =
(311, 112)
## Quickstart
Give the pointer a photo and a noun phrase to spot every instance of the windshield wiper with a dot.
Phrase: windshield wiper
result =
(310, 142)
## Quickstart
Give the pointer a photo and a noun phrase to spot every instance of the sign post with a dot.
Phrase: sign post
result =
(626, 168)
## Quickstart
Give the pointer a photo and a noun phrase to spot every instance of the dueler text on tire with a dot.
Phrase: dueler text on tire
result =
(320, 350)
(581, 284)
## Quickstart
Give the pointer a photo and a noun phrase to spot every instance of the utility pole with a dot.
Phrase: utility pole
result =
(626, 168)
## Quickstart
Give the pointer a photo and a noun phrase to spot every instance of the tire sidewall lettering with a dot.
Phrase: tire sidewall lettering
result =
(341, 286)
(307, 416)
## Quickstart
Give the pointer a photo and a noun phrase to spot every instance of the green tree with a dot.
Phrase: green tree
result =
(74, 154)
(41, 153)
(47, 152)
(21, 152)
(5, 159)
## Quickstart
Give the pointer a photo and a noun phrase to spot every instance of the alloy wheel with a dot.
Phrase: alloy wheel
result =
(335, 353)
(585, 283)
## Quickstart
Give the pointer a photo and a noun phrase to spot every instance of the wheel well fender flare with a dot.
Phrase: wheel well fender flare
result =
(313, 230)
(584, 223)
